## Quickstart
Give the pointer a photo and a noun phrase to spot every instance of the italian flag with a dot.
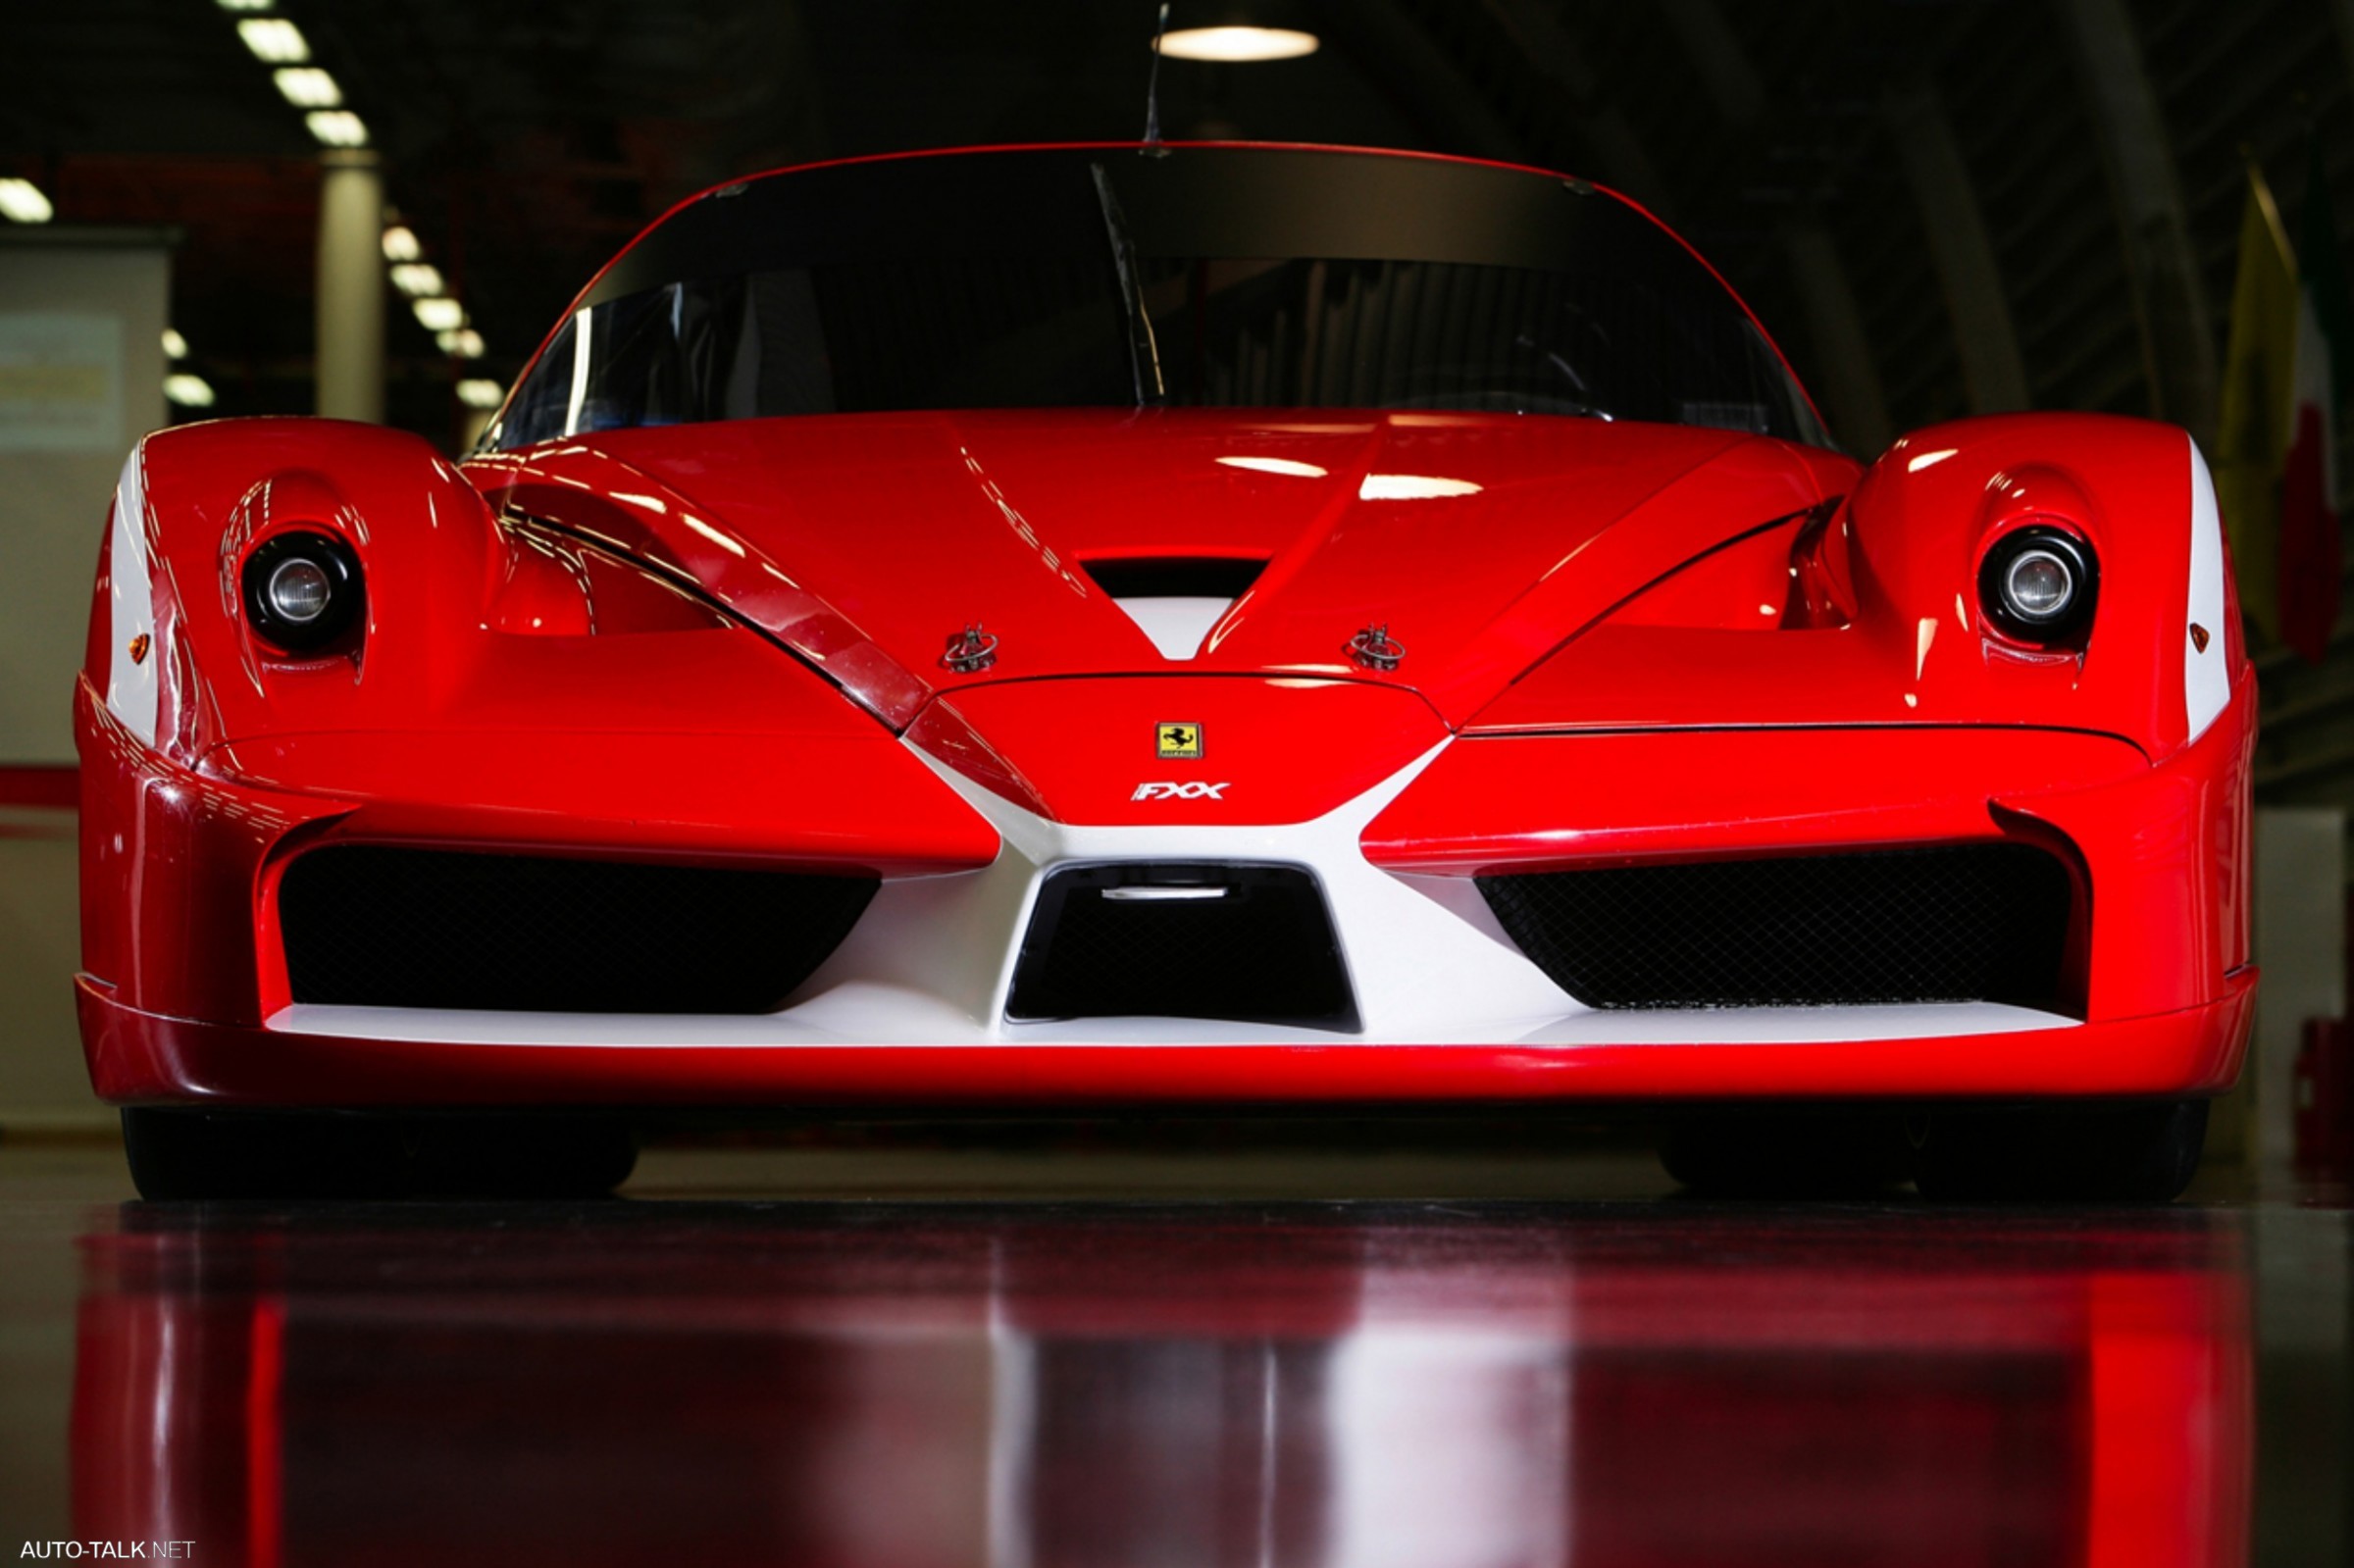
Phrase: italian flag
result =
(2285, 374)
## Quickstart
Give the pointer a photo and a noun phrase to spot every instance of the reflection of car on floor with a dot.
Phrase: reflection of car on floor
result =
(931, 1385)
(1101, 625)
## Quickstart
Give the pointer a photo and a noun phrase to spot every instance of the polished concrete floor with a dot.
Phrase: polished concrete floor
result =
(1112, 1348)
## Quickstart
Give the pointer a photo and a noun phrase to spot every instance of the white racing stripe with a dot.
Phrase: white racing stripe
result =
(2206, 681)
(130, 689)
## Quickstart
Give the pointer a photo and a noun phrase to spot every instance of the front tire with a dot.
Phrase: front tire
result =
(182, 1154)
(2127, 1153)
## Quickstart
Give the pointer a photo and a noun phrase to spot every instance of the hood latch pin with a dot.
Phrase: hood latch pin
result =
(1375, 649)
(970, 651)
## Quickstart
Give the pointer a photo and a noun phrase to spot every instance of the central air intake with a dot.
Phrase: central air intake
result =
(373, 926)
(1175, 599)
(1946, 924)
(1246, 943)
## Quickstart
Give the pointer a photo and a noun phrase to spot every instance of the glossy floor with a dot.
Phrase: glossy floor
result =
(908, 1351)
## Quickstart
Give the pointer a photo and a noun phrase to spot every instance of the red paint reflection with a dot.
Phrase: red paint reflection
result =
(1474, 1388)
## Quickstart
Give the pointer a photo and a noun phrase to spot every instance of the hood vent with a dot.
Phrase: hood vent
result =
(1175, 599)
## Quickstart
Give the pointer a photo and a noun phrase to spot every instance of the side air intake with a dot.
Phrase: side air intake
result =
(1250, 943)
(1946, 924)
(382, 927)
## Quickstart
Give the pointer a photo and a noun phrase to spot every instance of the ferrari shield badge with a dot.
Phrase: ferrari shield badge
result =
(1180, 740)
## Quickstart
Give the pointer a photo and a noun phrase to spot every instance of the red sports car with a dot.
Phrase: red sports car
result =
(1109, 626)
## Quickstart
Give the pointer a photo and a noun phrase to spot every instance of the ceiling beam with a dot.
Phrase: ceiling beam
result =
(1397, 53)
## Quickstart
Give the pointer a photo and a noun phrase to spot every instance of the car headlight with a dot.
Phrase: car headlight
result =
(2037, 584)
(302, 591)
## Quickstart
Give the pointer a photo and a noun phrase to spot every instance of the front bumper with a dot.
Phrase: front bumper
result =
(186, 1002)
(140, 1058)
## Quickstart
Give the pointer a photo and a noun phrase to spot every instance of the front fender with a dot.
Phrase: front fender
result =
(1905, 640)
(471, 623)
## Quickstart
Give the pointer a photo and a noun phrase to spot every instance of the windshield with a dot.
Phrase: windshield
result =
(1211, 276)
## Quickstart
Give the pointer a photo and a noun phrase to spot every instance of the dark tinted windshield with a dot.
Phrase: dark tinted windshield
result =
(1208, 276)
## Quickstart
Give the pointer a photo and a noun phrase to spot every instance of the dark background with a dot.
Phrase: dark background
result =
(526, 140)
(1939, 207)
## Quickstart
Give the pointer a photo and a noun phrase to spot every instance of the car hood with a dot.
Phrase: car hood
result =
(867, 542)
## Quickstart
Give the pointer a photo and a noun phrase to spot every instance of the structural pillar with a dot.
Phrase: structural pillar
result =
(2178, 341)
(352, 287)
(1850, 373)
(1847, 371)
(1985, 338)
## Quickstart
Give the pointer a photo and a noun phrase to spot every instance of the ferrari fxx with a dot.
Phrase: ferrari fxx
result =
(1106, 627)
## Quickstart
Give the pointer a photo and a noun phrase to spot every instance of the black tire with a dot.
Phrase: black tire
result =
(2128, 1153)
(1785, 1153)
(177, 1154)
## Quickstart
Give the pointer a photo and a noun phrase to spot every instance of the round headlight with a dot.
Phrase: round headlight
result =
(2037, 584)
(302, 591)
(299, 591)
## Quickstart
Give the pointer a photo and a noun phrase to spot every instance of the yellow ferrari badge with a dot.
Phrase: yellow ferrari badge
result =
(1180, 740)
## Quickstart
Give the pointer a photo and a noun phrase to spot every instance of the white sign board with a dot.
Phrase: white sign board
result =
(61, 381)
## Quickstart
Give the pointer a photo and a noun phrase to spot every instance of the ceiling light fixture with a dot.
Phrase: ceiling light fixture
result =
(275, 39)
(336, 127)
(439, 315)
(175, 345)
(307, 87)
(1238, 46)
(244, 5)
(417, 279)
(189, 391)
(463, 343)
(481, 392)
(22, 202)
(400, 244)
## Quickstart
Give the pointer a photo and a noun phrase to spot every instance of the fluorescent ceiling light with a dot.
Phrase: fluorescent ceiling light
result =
(22, 202)
(417, 279)
(189, 391)
(479, 392)
(400, 244)
(1238, 46)
(439, 315)
(463, 343)
(1275, 464)
(275, 39)
(307, 87)
(175, 345)
(1412, 488)
(336, 127)
(244, 5)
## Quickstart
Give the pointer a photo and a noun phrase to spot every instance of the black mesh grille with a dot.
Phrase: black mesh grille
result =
(1252, 943)
(374, 925)
(1961, 923)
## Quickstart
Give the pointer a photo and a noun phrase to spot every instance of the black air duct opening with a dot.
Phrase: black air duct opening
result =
(1175, 577)
(1247, 943)
(378, 926)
